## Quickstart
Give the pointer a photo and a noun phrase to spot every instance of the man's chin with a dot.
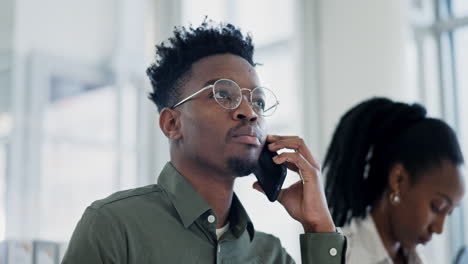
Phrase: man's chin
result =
(410, 245)
(241, 167)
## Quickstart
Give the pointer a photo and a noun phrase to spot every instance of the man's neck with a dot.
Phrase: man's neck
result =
(382, 223)
(215, 188)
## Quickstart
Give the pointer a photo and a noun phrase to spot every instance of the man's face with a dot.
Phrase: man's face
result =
(227, 141)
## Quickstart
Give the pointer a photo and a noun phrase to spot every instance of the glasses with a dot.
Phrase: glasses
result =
(228, 95)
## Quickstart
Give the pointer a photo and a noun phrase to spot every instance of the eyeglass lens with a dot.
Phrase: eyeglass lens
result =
(228, 94)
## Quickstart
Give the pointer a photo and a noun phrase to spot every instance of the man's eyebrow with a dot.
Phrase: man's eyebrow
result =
(446, 198)
(210, 82)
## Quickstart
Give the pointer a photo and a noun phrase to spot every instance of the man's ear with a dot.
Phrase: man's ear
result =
(169, 122)
(398, 180)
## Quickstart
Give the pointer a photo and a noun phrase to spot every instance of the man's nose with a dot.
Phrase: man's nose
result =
(245, 111)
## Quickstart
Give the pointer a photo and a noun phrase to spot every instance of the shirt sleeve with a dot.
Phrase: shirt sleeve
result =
(323, 248)
(96, 240)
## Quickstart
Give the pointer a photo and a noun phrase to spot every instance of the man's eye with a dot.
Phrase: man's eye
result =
(260, 103)
(222, 95)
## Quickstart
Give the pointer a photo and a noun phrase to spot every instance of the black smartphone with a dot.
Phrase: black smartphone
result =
(270, 175)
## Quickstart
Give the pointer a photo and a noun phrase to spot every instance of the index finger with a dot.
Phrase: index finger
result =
(297, 144)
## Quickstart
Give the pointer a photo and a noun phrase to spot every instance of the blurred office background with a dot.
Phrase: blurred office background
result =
(76, 124)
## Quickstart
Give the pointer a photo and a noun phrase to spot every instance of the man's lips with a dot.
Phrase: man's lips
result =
(246, 139)
(246, 135)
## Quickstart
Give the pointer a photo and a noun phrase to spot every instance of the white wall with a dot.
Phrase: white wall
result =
(362, 49)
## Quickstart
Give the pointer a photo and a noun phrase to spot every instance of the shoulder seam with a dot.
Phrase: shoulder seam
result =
(102, 204)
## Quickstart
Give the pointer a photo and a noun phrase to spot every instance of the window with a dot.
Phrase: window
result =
(80, 145)
(441, 33)
(459, 7)
(276, 50)
(460, 42)
(461, 66)
(88, 152)
(83, 123)
(78, 163)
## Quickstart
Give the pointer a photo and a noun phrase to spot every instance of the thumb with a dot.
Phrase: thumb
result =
(257, 187)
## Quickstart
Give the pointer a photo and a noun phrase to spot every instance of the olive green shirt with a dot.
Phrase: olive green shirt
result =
(171, 223)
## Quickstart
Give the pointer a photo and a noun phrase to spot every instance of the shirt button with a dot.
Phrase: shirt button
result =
(211, 219)
(333, 252)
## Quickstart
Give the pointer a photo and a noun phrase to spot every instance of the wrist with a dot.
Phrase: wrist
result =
(319, 228)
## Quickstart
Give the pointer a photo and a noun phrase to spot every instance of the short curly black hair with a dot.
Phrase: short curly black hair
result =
(188, 45)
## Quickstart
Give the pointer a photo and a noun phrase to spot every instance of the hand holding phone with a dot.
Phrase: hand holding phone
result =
(304, 200)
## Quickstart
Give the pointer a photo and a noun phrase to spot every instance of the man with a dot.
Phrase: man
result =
(212, 111)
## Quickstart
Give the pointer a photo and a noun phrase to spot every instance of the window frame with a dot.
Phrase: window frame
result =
(30, 72)
(28, 135)
(442, 27)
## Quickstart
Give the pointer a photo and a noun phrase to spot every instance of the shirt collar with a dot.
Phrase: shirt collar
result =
(190, 205)
(187, 202)
(367, 226)
(367, 230)
(240, 220)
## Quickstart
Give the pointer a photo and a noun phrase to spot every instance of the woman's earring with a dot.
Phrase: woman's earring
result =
(395, 198)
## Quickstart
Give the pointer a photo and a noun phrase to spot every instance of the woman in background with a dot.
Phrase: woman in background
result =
(392, 177)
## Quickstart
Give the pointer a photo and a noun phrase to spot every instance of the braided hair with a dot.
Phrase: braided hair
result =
(369, 140)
